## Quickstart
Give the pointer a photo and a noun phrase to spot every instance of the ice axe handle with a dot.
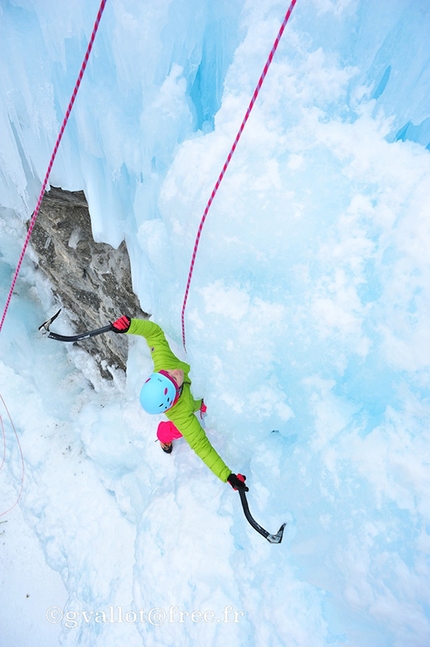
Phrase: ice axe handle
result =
(71, 338)
(273, 539)
(79, 336)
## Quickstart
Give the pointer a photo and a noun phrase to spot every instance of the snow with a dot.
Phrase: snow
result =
(306, 325)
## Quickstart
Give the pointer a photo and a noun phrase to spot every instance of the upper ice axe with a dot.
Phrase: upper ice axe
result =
(273, 539)
(78, 337)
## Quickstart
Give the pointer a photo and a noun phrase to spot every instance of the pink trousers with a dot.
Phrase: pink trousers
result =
(167, 432)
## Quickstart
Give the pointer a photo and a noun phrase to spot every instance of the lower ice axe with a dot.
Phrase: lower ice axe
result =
(78, 337)
(273, 539)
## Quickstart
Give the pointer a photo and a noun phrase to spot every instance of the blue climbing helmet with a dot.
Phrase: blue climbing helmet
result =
(158, 393)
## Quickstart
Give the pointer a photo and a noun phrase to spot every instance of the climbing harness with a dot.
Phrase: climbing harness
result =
(229, 156)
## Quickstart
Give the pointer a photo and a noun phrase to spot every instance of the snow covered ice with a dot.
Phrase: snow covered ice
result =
(308, 314)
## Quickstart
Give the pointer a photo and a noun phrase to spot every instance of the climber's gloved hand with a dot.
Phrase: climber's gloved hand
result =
(122, 324)
(237, 482)
(203, 410)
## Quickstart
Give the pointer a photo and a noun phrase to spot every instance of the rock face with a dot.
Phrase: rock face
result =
(91, 280)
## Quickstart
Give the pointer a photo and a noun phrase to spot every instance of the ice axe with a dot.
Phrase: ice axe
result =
(273, 539)
(71, 338)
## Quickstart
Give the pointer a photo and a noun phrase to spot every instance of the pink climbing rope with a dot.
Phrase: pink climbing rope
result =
(53, 156)
(21, 456)
(229, 156)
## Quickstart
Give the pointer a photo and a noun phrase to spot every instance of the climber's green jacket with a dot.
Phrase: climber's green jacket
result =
(182, 413)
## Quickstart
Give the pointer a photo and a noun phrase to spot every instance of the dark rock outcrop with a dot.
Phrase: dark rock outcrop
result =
(91, 280)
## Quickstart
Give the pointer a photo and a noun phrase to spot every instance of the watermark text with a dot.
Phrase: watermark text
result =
(156, 616)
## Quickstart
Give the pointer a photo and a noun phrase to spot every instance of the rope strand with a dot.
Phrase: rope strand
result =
(229, 156)
(4, 455)
(51, 161)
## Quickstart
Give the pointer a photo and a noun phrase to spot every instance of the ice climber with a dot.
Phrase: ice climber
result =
(167, 391)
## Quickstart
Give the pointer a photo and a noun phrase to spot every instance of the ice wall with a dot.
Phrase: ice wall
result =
(309, 305)
(143, 96)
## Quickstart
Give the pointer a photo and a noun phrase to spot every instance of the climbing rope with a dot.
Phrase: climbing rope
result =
(4, 454)
(53, 156)
(27, 240)
(229, 156)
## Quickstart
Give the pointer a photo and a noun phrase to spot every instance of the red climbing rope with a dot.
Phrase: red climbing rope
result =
(54, 153)
(229, 156)
(4, 454)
